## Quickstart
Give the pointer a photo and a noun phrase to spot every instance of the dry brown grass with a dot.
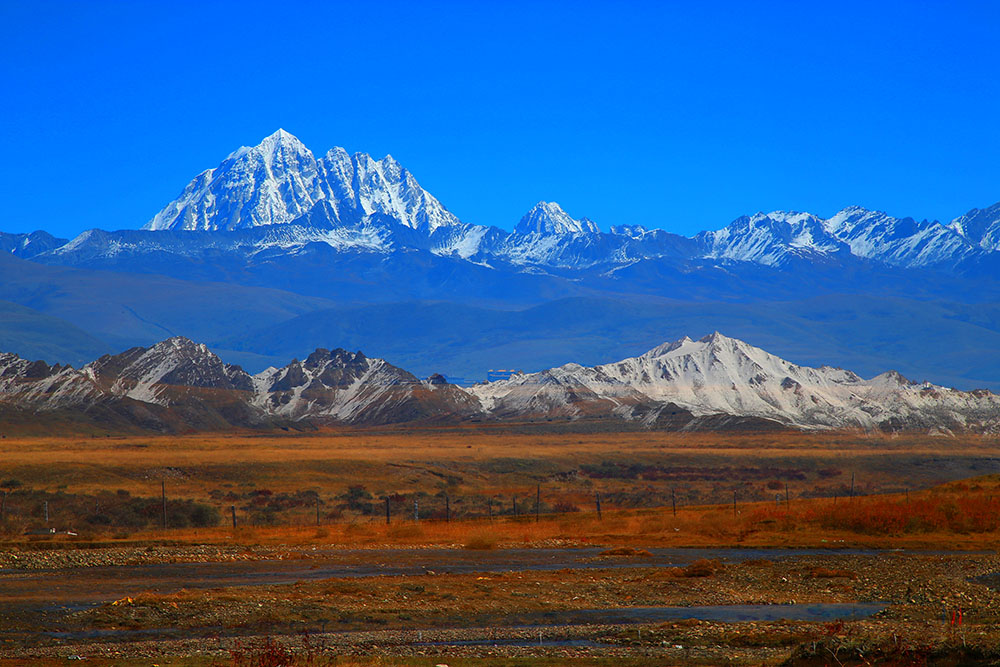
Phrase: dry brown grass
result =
(473, 463)
(803, 526)
(830, 573)
(482, 541)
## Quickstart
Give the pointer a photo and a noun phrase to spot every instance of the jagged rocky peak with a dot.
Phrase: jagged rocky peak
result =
(338, 367)
(632, 231)
(549, 218)
(339, 356)
(384, 187)
(769, 238)
(707, 349)
(716, 338)
(175, 361)
(281, 141)
(892, 379)
(280, 180)
(334, 369)
(668, 347)
(981, 227)
(270, 183)
(15, 367)
(851, 216)
(719, 341)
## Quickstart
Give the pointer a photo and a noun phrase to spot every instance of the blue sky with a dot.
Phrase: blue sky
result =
(676, 115)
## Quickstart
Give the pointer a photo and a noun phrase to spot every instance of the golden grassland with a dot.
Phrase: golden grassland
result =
(289, 462)
(806, 504)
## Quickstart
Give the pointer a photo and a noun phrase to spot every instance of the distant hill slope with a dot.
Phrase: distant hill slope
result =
(35, 335)
(132, 309)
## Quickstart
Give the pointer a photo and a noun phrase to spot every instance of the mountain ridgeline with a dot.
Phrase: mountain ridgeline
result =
(268, 253)
(291, 199)
(716, 382)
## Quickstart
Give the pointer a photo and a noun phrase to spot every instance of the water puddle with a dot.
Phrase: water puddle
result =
(991, 580)
(721, 613)
(519, 642)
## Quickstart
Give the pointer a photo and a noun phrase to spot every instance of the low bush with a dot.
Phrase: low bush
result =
(830, 573)
(625, 551)
(701, 568)
(973, 514)
(482, 541)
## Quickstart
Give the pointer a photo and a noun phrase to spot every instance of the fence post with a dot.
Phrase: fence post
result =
(852, 487)
(416, 510)
(538, 500)
(787, 503)
(447, 509)
(232, 509)
(489, 508)
(673, 500)
(598, 505)
(387, 510)
(46, 512)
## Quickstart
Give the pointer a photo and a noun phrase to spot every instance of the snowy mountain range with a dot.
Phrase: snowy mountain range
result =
(276, 245)
(353, 202)
(709, 383)
(178, 385)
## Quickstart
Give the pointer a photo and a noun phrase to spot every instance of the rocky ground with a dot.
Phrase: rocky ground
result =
(27, 558)
(488, 614)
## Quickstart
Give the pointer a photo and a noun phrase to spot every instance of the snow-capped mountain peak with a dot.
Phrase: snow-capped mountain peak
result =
(897, 241)
(270, 183)
(981, 227)
(774, 238)
(280, 180)
(549, 218)
(278, 142)
(385, 187)
(770, 238)
(722, 375)
(145, 374)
